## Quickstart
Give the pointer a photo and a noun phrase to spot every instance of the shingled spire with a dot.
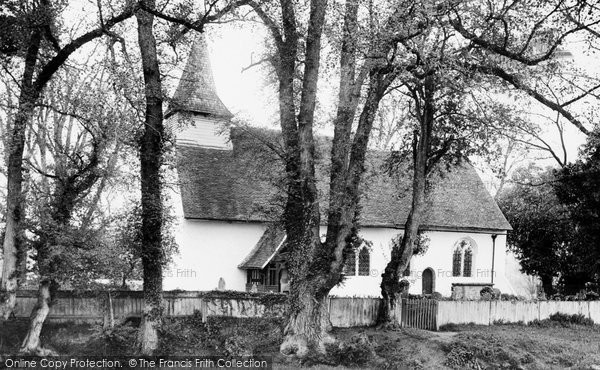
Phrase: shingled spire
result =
(196, 91)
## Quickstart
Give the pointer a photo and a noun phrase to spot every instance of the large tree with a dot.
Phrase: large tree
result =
(152, 150)
(366, 58)
(151, 158)
(543, 232)
(520, 44)
(72, 145)
(447, 126)
(42, 52)
(578, 187)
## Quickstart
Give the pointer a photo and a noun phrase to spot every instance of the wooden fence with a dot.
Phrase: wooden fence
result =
(489, 312)
(344, 312)
(418, 313)
(349, 312)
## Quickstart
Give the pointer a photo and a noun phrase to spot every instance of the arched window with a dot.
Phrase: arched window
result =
(456, 261)
(462, 258)
(364, 262)
(468, 262)
(350, 265)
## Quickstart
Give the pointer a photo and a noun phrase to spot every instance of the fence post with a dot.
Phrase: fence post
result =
(203, 310)
(436, 314)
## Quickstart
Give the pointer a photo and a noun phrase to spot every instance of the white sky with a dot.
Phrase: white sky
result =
(232, 48)
(245, 93)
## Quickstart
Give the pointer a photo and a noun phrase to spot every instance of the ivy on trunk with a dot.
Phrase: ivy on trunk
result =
(151, 158)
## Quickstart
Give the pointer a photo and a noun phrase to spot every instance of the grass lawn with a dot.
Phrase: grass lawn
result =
(467, 346)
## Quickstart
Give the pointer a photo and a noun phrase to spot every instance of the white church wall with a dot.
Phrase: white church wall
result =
(368, 286)
(209, 250)
(438, 257)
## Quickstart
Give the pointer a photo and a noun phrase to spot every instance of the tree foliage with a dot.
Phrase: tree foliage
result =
(578, 187)
(543, 233)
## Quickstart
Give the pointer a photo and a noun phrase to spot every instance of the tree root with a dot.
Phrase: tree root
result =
(388, 325)
(38, 351)
(299, 346)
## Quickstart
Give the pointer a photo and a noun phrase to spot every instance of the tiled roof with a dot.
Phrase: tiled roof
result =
(196, 91)
(269, 244)
(244, 184)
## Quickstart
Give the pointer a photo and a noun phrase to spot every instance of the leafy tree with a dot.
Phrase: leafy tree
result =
(519, 43)
(152, 145)
(42, 52)
(448, 119)
(543, 233)
(117, 255)
(365, 62)
(578, 187)
(71, 147)
(151, 158)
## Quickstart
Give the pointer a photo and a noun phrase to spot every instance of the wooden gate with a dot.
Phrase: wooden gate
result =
(419, 313)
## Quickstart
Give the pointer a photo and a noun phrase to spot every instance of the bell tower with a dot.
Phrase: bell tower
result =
(195, 113)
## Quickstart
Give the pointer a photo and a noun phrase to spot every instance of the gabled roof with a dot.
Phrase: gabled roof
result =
(244, 184)
(196, 91)
(268, 245)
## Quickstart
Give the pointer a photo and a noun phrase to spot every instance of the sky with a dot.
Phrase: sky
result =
(243, 90)
(246, 95)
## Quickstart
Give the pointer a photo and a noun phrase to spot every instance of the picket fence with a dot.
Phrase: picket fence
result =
(344, 312)
(490, 312)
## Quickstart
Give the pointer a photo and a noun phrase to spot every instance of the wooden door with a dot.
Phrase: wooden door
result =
(427, 281)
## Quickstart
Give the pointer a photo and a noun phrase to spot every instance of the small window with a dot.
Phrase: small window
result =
(254, 276)
(350, 265)
(456, 262)
(272, 275)
(468, 262)
(364, 262)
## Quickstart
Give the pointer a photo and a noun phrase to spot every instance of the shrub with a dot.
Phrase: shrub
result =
(487, 293)
(577, 319)
(356, 352)
(119, 339)
(437, 296)
(449, 327)
(456, 327)
(238, 345)
(592, 296)
(460, 357)
(512, 297)
(564, 320)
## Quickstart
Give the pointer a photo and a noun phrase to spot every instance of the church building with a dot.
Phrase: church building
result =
(231, 196)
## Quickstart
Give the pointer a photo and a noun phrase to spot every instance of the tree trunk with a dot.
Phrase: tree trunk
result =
(13, 247)
(401, 255)
(308, 325)
(547, 285)
(151, 149)
(31, 343)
